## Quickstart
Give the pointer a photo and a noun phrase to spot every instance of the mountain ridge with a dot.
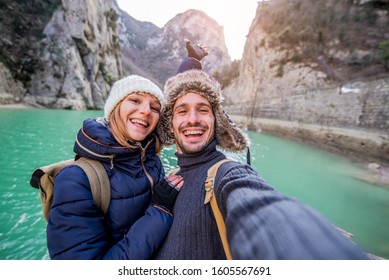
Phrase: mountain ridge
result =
(66, 54)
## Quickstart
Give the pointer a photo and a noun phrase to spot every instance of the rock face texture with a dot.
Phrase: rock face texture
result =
(80, 56)
(156, 52)
(11, 91)
(66, 54)
(313, 82)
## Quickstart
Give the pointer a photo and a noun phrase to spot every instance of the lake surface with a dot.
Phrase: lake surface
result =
(326, 182)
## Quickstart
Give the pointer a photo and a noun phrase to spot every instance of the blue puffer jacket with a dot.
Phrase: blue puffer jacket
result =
(132, 228)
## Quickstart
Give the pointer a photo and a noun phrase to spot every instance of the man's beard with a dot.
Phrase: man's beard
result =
(192, 148)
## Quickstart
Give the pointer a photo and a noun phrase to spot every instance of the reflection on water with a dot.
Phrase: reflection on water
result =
(32, 138)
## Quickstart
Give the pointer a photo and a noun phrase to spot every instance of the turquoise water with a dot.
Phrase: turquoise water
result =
(328, 183)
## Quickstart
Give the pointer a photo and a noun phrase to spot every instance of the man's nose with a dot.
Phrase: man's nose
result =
(193, 116)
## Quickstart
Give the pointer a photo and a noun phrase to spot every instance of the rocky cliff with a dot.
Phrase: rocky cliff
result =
(317, 72)
(67, 54)
(156, 52)
(308, 44)
(70, 54)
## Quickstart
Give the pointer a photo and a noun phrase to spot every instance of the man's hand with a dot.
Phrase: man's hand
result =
(198, 51)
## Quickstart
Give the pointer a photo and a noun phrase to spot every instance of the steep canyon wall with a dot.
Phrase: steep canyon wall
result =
(351, 119)
(307, 74)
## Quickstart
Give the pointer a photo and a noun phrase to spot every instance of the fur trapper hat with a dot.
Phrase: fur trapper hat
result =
(130, 84)
(228, 136)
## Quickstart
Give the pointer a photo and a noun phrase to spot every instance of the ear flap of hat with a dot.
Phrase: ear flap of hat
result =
(165, 128)
(228, 136)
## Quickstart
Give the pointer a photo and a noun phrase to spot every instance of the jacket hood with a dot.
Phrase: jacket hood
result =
(95, 140)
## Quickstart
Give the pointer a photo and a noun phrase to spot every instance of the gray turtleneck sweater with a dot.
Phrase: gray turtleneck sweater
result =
(261, 222)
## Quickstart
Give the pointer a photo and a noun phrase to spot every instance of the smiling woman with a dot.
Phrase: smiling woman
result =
(133, 109)
(139, 213)
(225, 13)
(140, 113)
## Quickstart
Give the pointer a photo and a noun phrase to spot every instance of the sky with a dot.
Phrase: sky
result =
(235, 16)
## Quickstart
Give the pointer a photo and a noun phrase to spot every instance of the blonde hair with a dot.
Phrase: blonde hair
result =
(119, 130)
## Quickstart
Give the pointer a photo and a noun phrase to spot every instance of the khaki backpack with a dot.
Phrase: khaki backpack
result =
(43, 179)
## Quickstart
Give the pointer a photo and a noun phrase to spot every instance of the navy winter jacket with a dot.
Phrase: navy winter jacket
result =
(132, 228)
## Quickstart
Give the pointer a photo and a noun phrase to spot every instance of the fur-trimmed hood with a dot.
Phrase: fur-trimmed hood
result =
(228, 136)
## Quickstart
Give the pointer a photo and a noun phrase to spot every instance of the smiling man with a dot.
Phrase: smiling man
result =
(261, 222)
(193, 125)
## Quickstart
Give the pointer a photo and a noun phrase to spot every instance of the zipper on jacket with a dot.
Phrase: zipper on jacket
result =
(142, 160)
(96, 154)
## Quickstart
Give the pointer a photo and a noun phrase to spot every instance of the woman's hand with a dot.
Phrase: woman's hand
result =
(175, 181)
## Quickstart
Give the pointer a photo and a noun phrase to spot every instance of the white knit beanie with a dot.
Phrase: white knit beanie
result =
(133, 83)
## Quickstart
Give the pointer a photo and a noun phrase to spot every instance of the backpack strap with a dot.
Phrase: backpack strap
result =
(48, 170)
(209, 197)
(43, 180)
(98, 180)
